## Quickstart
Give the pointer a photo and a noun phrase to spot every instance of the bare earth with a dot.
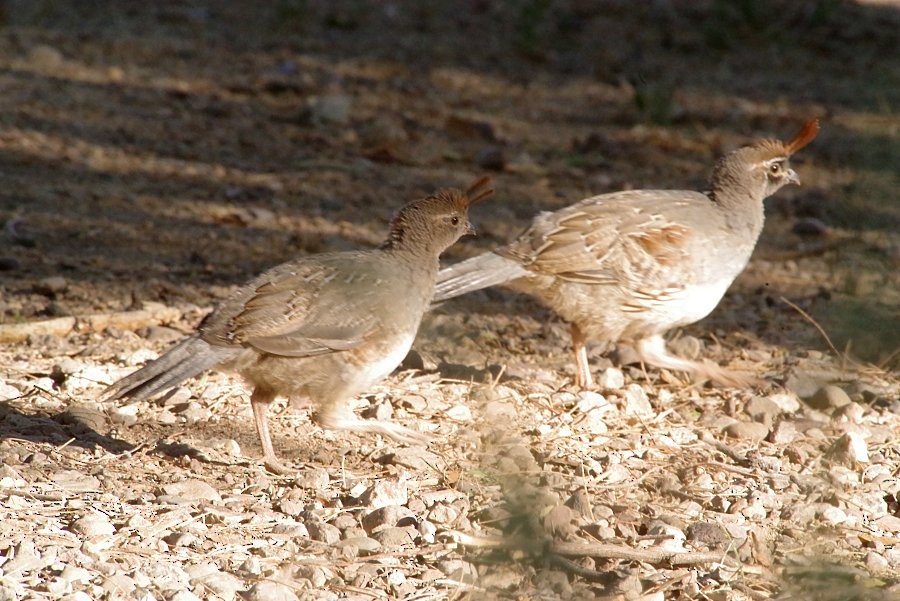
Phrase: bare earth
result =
(153, 156)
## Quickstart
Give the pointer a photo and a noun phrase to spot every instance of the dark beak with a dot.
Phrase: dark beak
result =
(470, 229)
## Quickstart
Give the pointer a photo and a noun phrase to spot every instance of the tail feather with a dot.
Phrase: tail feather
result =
(187, 359)
(479, 272)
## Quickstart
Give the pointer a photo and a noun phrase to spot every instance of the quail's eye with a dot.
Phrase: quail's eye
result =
(775, 168)
(454, 220)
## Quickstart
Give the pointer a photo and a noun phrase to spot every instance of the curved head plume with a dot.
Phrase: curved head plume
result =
(478, 190)
(807, 134)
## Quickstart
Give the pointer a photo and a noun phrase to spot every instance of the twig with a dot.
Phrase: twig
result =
(151, 314)
(820, 329)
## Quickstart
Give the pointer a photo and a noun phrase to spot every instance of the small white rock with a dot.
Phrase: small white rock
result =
(833, 515)
(636, 401)
(387, 492)
(850, 449)
(271, 591)
(93, 524)
(460, 413)
(611, 379)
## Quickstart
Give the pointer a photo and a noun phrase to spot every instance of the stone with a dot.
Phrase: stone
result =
(193, 490)
(331, 108)
(747, 430)
(611, 378)
(828, 397)
(395, 536)
(386, 492)
(762, 409)
(51, 286)
(384, 517)
(93, 524)
(267, 590)
(8, 392)
(323, 532)
(784, 432)
(849, 449)
(636, 401)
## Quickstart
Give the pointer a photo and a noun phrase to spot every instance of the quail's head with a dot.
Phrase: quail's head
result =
(763, 168)
(430, 225)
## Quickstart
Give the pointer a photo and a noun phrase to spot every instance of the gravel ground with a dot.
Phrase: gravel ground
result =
(155, 156)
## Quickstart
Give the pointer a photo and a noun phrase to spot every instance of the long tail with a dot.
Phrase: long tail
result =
(187, 359)
(479, 272)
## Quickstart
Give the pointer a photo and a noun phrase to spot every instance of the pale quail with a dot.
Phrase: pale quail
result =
(325, 326)
(628, 266)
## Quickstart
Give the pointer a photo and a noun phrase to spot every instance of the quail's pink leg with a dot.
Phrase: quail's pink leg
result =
(583, 379)
(259, 402)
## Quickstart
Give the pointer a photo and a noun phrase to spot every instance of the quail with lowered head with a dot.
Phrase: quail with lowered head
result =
(629, 266)
(326, 326)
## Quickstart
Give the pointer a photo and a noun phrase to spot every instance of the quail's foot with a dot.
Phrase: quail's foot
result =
(652, 351)
(343, 418)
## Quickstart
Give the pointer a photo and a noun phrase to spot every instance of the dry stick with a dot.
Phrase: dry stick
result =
(151, 314)
(602, 550)
(821, 330)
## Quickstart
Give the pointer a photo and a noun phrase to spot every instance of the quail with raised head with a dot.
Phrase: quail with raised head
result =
(629, 266)
(327, 326)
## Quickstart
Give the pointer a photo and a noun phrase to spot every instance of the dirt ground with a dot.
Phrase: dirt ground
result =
(153, 156)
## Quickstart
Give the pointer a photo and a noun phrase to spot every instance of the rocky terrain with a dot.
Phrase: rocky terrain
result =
(154, 156)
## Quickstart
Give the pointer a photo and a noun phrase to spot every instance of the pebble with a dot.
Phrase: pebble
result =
(331, 108)
(93, 524)
(499, 410)
(75, 574)
(872, 503)
(443, 513)
(126, 415)
(8, 392)
(363, 544)
(118, 585)
(784, 432)
(491, 158)
(221, 583)
(9, 264)
(460, 413)
(87, 415)
(636, 401)
(747, 430)
(74, 481)
(849, 449)
(787, 402)
(384, 517)
(51, 286)
(876, 563)
(762, 409)
(45, 57)
(395, 536)
(611, 378)
(324, 532)
(828, 397)
(184, 596)
(833, 515)
(708, 533)
(194, 490)
(195, 413)
(267, 590)
(850, 413)
(386, 492)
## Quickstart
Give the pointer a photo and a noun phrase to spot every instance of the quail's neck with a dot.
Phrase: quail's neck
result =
(739, 200)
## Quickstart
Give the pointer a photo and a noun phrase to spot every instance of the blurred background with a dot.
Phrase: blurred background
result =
(169, 150)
